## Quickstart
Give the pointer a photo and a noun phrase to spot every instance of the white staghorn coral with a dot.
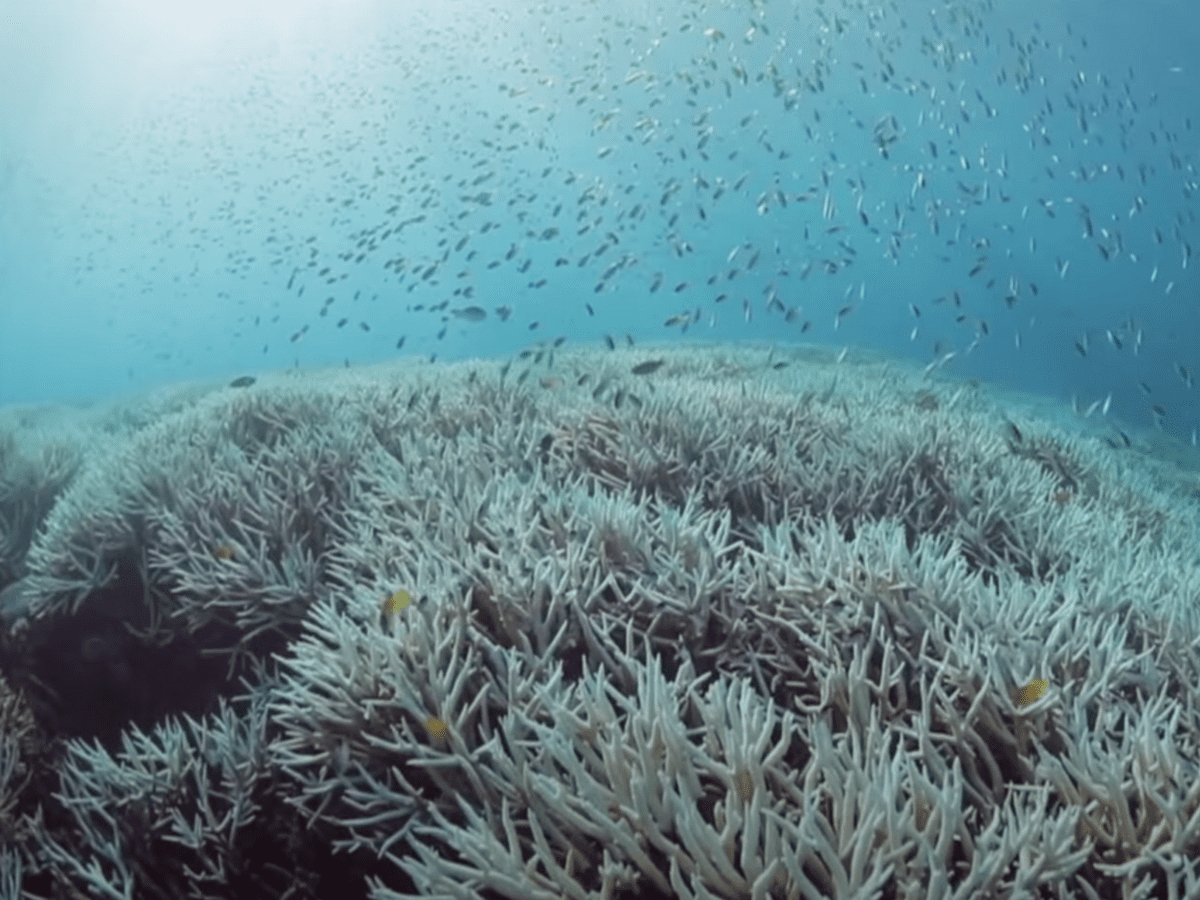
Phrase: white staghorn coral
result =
(765, 637)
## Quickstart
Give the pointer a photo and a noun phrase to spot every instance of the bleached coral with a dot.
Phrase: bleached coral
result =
(723, 631)
(174, 813)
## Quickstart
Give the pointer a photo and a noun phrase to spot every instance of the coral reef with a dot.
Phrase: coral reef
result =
(737, 624)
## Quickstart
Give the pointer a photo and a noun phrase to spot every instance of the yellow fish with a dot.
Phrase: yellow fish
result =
(397, 602)
(1035, 690)
(437, 728)
(224, 551)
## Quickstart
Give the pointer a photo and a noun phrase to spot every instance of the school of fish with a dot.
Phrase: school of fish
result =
(953, 181)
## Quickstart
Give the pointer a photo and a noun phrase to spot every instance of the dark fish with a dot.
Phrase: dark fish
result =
(243, 381)
(647, 367)
(471, 313)
(400, 343)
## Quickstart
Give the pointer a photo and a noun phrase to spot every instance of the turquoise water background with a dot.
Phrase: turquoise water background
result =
(166, 172)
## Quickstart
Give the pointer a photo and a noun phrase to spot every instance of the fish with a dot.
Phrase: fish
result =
(437, 729)
(396, 602)
(647, 367)
(224, 551)
(470, 313)
(1035, 690)
(243, 382)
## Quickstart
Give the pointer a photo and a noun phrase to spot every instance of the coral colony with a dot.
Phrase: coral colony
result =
(689, 623)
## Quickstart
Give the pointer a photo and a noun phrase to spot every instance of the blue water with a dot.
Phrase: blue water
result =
(166, 173)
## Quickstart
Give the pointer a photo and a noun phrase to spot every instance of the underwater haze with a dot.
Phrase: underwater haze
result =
(996, 191)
